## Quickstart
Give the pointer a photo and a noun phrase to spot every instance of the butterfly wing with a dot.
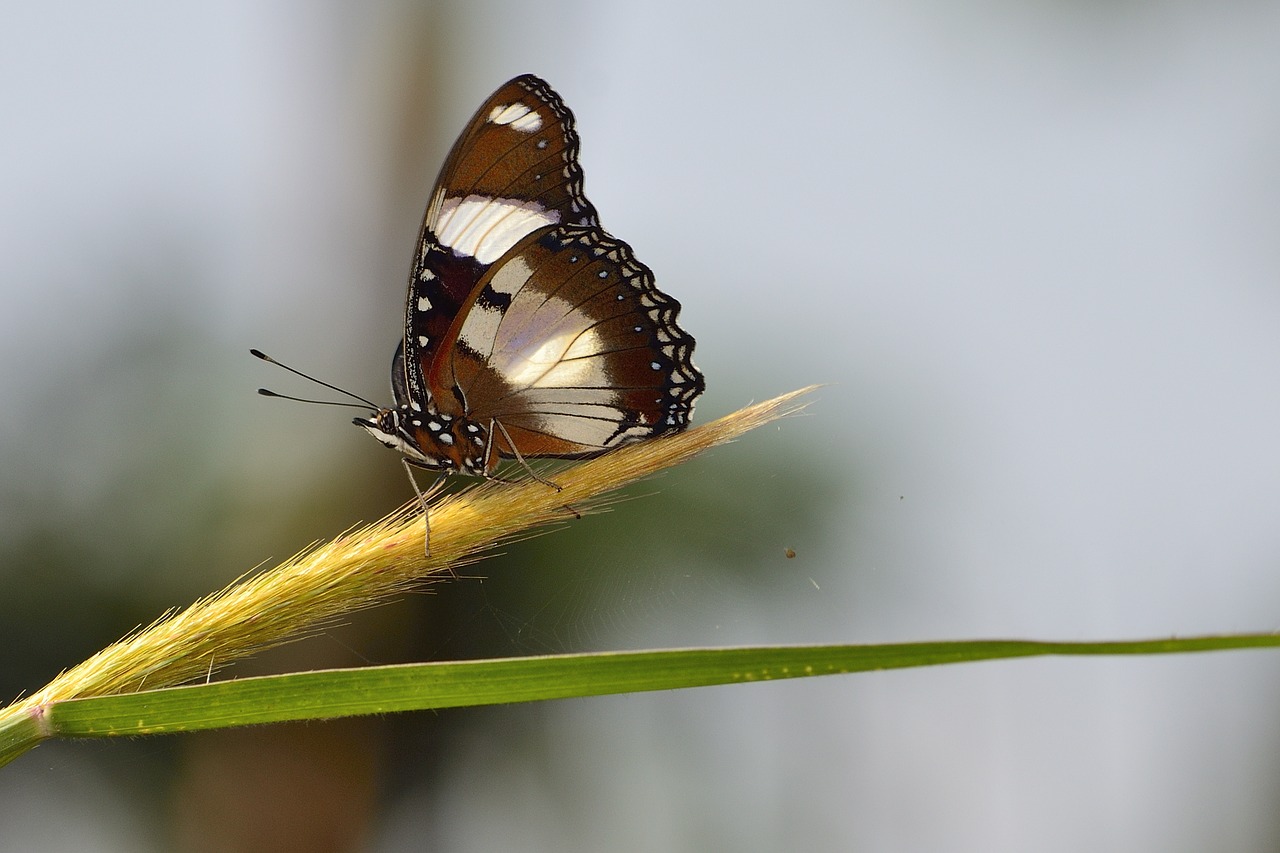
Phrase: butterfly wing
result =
(569, 346)
(513, 171)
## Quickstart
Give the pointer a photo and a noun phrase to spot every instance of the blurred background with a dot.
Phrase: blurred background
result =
(1033, 248)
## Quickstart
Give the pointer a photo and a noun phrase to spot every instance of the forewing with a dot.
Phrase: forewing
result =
(513, 171)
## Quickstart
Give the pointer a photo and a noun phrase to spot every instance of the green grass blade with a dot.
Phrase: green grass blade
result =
(377, 690)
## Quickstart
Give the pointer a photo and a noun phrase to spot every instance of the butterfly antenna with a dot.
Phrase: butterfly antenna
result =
(267, 392)
(264, 392)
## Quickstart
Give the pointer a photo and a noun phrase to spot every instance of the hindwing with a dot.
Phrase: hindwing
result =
(569, 345)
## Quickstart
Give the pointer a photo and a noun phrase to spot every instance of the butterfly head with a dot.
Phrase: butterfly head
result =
(432, 440)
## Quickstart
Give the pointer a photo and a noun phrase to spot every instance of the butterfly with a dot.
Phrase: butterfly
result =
(529, 330)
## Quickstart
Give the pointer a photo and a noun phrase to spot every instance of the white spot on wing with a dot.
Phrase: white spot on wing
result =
(485, 227)
(518, 116)
(528, 124)
(424, 304)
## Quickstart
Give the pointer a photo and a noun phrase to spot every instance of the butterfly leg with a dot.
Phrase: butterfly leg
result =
(494, 422)
(422, 500)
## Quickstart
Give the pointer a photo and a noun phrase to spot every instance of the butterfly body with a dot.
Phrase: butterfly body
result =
(434, 441)
(529, 330)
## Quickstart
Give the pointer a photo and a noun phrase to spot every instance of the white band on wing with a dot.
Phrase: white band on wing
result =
(485, 227)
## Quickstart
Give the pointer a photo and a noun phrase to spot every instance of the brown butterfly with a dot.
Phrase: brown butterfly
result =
(529, 330)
